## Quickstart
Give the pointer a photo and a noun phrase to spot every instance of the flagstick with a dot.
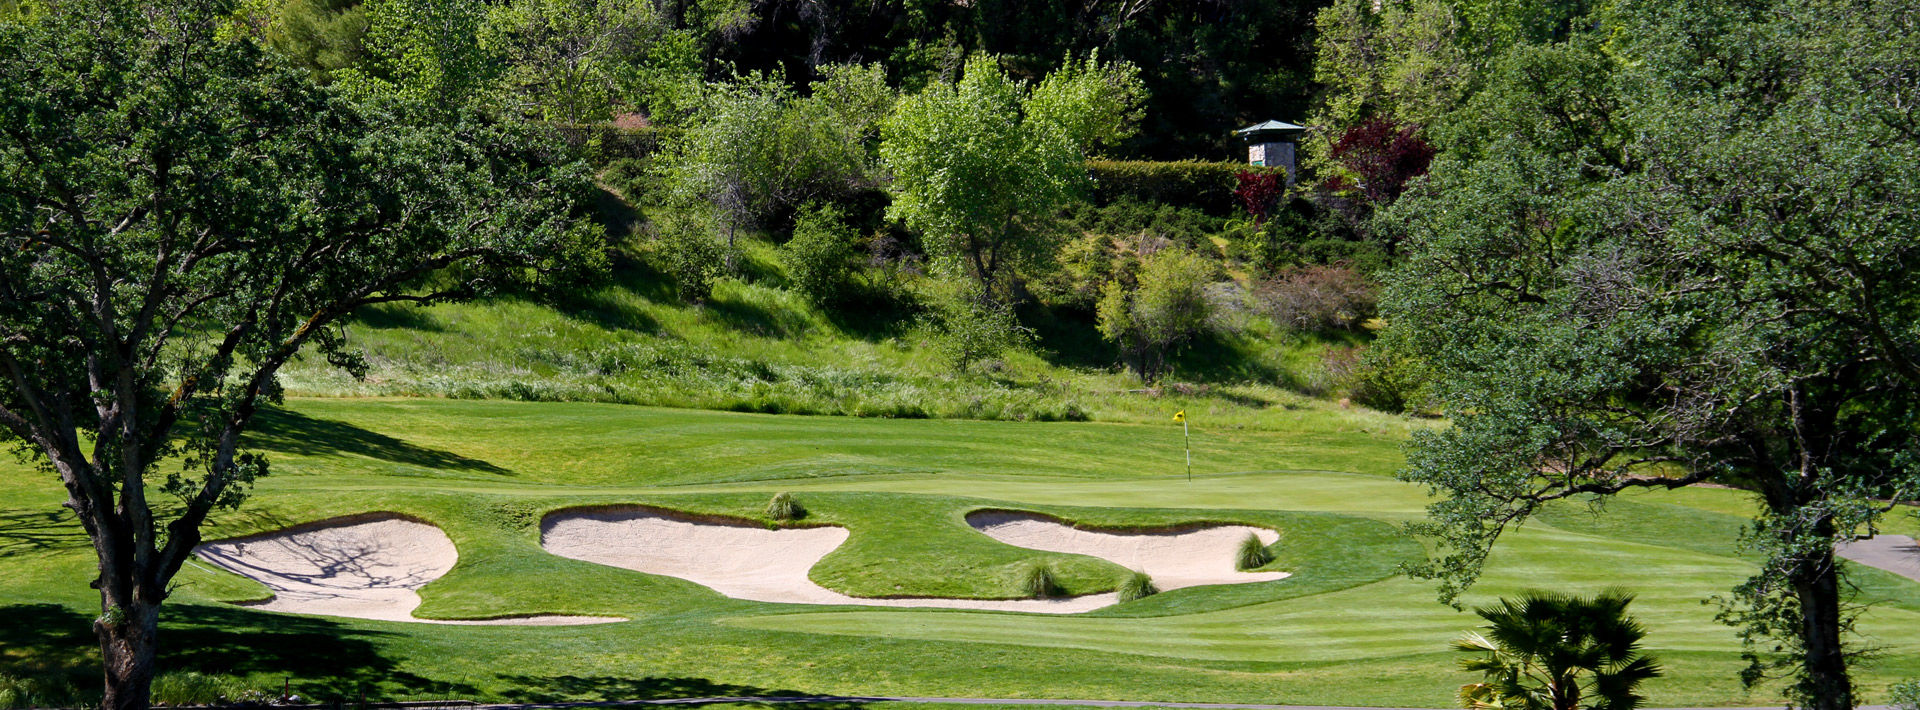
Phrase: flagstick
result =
(1189, 437)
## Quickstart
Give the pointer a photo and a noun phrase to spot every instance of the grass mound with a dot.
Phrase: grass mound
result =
(1039, 582)
(1137, 585)
(784, 508)
(1253, 554)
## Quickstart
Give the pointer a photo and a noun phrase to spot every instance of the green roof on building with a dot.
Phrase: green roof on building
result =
(1278, 128)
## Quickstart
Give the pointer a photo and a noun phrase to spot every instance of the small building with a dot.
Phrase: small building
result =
(1272, 144)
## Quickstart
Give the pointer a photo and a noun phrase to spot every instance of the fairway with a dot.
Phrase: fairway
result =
(1343, 628)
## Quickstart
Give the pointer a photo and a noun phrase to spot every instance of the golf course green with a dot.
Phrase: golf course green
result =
(1345, 628)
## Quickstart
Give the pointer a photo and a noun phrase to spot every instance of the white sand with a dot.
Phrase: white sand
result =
(1188, 558)
(366, 567)
(749, 562)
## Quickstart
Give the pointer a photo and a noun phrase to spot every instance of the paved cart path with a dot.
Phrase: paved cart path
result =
(1894, 553)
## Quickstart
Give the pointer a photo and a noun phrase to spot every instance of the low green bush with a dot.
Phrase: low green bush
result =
(1137, 585)
(604, 143)
(1207, 186)
(1145, 223)
(967, 327)
(784, 508)
(1039, 582)
(1905, 695)
(692, 254)
(1253, 554)
(632, 178)
(820, 257)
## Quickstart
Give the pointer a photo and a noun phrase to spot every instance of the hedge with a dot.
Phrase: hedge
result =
(1188, 183)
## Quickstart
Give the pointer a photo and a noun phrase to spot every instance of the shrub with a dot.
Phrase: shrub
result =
(1129, 217)
(968, 327)
(690, 254)
(1038, 581)
(1253, 554)
(784, 508)
(1166, 305)
(1207, 186)
(1384, 155)
(1905, 695)
(608, 143)
(1546, 645)
(1318, 298)
(1259, 192)
(1137, 585)
(819, 257)
(1085, 265)
(632, 178)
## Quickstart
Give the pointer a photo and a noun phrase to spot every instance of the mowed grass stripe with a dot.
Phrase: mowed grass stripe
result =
(1341, 631)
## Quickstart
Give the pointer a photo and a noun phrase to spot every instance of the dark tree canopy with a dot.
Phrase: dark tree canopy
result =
(181, 214)
(1681, 248)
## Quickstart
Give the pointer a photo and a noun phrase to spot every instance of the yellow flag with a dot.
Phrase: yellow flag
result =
(1180, 416)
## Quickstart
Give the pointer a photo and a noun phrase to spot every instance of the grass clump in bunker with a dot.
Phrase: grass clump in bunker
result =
(1038, 581)
(1137, 585)
(1253, 554)
(782, 507)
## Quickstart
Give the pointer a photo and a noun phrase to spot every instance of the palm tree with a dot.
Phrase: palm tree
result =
(1548, 651)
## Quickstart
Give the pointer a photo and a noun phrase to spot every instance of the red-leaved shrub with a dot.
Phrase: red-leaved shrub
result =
(1259, 192)
(1384, 155)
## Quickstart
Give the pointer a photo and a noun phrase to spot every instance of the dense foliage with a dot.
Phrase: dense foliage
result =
(1203, 185)
(975, 163)
(184, 215)
(1675, 245)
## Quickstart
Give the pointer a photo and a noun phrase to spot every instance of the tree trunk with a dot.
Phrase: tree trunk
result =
(127, 650)
(1828, 686)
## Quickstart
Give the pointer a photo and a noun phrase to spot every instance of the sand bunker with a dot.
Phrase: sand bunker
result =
(745, 561)
(1175, 559)
(366, 567)
(740, 560)
(1894, 553)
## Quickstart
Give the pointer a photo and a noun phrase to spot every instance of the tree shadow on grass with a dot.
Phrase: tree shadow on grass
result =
(319, 659)
(1070, 338)
(391, 316)
(291, 432)
(39, 531)
(570, 688)
(755, 318)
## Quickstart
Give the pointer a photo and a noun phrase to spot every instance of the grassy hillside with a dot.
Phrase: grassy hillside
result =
(757, 347)
(1342, 630)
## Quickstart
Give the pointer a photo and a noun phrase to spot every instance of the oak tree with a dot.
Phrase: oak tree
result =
(181, 215)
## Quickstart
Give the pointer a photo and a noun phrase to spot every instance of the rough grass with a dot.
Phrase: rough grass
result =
(45, 691)
(182, 688)
(783, 507)
(755, 347)
(1136, 585)
(1252, 554)
(1342, 630)
(1037, 581)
